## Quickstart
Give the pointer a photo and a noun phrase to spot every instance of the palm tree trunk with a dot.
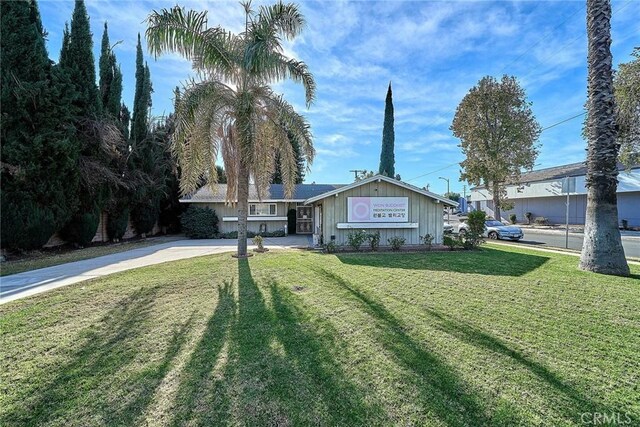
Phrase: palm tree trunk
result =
(243, 202)
(602, 251)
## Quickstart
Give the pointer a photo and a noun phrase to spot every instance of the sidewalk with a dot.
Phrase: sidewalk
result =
(573, 229)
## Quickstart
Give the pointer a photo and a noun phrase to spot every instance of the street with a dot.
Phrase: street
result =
(557, 239)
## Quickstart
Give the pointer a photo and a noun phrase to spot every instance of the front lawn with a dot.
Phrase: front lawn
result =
(502, 336)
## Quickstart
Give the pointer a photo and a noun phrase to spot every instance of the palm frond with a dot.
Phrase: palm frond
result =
(200, 112)
(286, 19)
(186, 33)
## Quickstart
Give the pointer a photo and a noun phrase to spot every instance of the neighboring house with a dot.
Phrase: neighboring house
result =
(330, 211)
(544, 193)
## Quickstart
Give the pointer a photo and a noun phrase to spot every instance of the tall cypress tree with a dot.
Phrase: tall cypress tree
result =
(139, 120)
(77, 60)
(387, 157)
(39, 154)
(146, 154)
(110, 78)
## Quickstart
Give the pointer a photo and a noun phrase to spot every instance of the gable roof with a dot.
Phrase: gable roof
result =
(386, 179)
(556, 172)
(275, 192)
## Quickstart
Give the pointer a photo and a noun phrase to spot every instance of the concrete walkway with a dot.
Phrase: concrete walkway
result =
(34, 282)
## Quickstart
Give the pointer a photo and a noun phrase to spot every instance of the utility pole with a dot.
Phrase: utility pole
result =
(567, 184)
(464, 196)
(446, 179)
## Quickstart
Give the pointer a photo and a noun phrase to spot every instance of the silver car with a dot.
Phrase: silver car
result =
(496, 230)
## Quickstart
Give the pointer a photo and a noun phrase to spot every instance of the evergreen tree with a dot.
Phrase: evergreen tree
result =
(76, 58)
(140, 107)
(110, 78)
(147, 151)
(300, 163)
(387, 157)
(39, 154)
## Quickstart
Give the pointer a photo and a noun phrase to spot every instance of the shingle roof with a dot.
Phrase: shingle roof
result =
(557, 172)
(276, 192)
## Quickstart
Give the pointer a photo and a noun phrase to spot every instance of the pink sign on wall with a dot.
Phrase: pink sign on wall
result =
(377, 209)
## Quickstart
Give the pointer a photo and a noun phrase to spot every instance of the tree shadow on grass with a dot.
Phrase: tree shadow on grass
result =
(441, 390)
(198, 375)
(274, 371)
(575, 403)
(487, 261)
(83, 387)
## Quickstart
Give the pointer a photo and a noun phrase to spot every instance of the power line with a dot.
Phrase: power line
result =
(432, 172)
(564, 121)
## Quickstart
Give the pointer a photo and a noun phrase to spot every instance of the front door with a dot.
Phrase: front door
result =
(304, 220)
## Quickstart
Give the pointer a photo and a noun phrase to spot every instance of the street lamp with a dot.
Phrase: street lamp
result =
(448, 209)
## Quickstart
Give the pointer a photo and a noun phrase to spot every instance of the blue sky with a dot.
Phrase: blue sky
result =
(431, 51)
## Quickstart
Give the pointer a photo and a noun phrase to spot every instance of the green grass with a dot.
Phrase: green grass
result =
(51, 257)
(502, 336)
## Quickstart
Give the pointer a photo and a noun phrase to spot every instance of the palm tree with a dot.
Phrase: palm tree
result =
(231, 110)
(602, 251)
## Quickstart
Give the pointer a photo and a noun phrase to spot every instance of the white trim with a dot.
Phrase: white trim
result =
(357, 225)
(275, 205)
(386, 179)
(255, 218)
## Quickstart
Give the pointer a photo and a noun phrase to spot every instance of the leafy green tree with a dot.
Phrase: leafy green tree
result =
(602, 250)
(453, 196)
(498, 134)
(39, 154)
(626, 85)
(233, 99)
(387, 156)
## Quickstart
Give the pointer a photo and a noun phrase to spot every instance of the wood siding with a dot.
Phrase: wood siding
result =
(223, 210)
(422, 210)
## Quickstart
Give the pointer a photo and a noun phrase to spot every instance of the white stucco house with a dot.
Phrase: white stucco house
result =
(544, 193)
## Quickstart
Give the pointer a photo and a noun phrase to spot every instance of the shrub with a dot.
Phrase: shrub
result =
(26, 226)
(356, 238)
(473, 236)
(331, 247)
(82, 228)
(452, 242)
(396, 242)
(540, 220)
(259, 242)
(117, 221)
(144, 216)
(427, 241)
(625, 224)
(200, 223)
(513, 218)
(528, 215)
(374, 240)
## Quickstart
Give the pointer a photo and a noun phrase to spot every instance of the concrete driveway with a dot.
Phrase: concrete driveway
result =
(34, 282)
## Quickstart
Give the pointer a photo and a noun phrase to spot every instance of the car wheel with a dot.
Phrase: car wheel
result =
(493, 235)
(462, 232)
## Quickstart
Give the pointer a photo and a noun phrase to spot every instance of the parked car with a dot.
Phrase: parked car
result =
(494, 229)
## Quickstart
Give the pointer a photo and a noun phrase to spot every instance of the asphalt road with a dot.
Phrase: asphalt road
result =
(557, 239)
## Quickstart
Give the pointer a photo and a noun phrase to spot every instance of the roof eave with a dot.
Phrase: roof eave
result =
(444, 200)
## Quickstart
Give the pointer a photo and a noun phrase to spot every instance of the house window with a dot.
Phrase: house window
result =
(262, 209)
